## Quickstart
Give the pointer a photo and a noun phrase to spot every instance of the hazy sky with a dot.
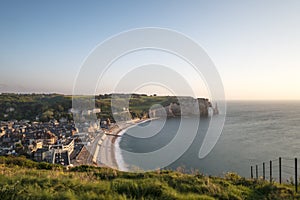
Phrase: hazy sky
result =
(254, 44)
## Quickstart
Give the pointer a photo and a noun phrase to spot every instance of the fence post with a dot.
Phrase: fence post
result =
(270, 171)
(256, 170)
(251, 172)
(264, 171)
(280, 170)
(296, 181)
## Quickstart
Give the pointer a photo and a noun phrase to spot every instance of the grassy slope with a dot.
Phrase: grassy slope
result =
(139, 105)
(28, 106)
(21, 179)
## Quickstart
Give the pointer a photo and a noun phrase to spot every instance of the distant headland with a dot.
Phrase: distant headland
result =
(46, 107)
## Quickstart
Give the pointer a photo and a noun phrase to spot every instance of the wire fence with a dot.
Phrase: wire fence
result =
(282, 170)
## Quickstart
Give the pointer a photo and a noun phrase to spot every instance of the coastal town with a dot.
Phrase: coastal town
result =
(54, 142)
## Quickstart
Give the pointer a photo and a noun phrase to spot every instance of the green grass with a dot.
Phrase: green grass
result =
(29, 180)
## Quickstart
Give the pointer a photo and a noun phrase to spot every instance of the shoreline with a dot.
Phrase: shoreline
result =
(109, 152)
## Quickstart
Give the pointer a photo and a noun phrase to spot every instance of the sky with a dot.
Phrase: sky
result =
(255, 45)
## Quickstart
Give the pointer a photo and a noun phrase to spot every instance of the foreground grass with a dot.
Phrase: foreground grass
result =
(31, 181)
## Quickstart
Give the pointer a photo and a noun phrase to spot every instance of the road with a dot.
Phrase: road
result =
(94, 149)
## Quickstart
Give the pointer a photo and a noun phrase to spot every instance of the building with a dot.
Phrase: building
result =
(65, 146)
(61, 152)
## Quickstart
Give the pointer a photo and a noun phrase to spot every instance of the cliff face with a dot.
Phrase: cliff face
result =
(186, 106)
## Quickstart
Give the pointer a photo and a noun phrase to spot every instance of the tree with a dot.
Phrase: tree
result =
(47, 115)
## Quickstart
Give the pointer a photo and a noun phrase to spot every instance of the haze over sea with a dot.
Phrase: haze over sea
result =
(254, 132)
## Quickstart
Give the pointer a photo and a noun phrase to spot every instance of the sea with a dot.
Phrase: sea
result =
(255, 132)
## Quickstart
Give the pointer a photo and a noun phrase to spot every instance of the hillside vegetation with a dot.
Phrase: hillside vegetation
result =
(34, 106)
(45, 107)
(24, 179)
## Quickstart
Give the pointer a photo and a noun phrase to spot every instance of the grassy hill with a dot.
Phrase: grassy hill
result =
(55, 106)
(25, 179)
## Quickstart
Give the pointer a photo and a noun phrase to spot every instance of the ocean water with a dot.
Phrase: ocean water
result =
(254, 132)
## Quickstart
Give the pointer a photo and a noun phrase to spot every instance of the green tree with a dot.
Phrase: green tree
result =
(47, 115)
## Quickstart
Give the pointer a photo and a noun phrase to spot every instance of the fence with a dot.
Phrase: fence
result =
(281, 169)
